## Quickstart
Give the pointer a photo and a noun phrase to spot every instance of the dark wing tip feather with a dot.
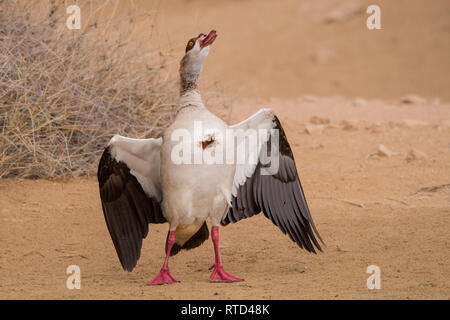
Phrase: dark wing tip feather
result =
(289, 213)
(126, 208)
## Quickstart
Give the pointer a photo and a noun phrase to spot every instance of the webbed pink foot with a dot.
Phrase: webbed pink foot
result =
(164, 277)
(219, 274)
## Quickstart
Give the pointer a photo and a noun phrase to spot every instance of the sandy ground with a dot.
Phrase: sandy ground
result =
(370, 211)
(369, 208)
(294, 47)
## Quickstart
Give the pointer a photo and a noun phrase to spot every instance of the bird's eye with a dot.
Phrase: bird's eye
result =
(190, 44)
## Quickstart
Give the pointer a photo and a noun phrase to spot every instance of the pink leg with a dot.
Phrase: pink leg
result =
(219, 273)
(164, 275)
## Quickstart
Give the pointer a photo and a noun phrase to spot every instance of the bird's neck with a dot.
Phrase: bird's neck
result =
(190, 99)
(189, 73)
(189, 94)
(188, 82)
(190, 69)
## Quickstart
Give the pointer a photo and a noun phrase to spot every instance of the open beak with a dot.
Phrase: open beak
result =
(207, 40)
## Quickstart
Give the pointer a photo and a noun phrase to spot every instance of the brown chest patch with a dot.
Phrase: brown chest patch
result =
(208, 141)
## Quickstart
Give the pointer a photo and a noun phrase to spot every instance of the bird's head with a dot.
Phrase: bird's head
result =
(197, 50)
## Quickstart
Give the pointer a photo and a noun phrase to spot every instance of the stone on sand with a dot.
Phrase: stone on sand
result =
(359, 102)
(323, 56)
(345, 11)
(348, 126)
(384, 151)
(415, 154)
(309, 98)
(319, 120)
(413, 99)
(413, 123)
(314, 128)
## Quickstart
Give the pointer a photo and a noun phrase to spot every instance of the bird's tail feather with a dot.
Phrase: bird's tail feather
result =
(195, 241)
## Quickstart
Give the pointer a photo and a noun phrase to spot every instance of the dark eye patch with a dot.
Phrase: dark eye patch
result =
(190, 44)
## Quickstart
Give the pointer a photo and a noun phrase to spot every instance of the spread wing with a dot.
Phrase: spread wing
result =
(128, 176)
(271, 183)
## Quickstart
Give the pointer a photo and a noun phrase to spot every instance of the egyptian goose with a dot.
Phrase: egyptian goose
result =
(162, 180)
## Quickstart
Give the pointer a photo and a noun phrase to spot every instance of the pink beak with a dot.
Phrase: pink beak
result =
(207, 40)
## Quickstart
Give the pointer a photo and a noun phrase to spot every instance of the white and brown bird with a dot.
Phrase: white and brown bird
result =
(162, 180)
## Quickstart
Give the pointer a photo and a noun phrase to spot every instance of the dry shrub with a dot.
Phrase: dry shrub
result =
(64, 94)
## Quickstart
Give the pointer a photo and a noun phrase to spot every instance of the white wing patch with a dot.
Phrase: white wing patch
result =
(248, 148)
(142, 157)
